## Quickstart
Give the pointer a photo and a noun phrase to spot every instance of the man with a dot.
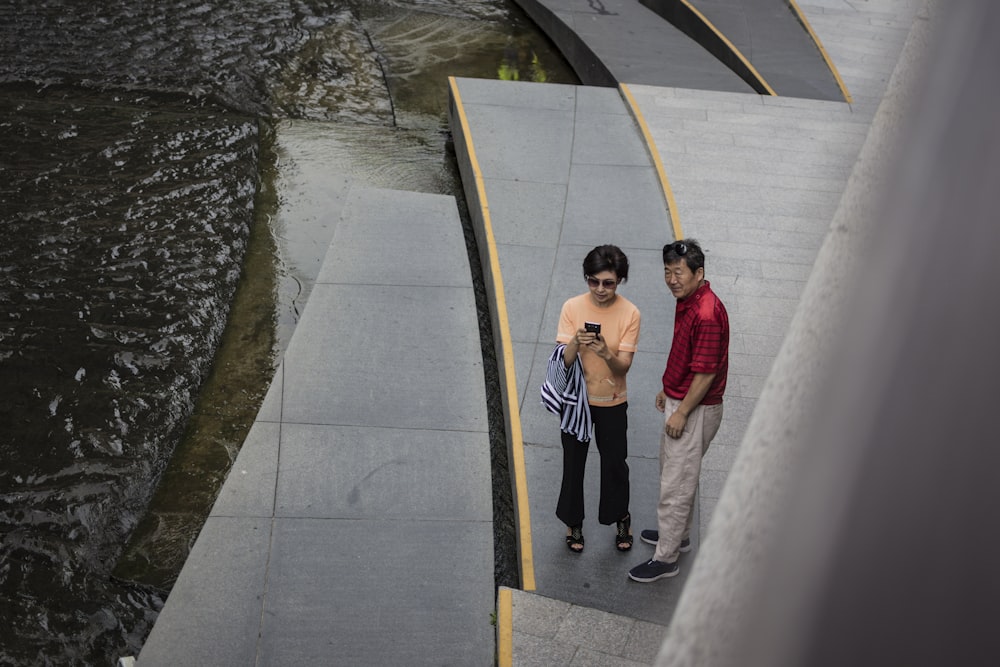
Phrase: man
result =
(691, 400)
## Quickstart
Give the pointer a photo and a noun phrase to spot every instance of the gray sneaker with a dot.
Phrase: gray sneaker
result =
(653, 570)
(653, 536)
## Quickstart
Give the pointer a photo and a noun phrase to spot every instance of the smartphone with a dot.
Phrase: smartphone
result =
(594, 327)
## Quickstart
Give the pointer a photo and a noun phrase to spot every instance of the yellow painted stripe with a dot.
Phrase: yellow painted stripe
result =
(826, 56)
(505, 627)
(661, 173)
(506, 344)
(730, 46)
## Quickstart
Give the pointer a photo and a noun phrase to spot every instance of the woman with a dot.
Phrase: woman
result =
(606, 357)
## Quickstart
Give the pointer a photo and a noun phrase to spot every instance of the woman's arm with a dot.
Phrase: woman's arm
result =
(618, 363)
(582, 337)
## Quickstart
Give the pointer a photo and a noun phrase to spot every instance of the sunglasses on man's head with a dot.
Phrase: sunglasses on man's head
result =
(679, 247)
(608, 284)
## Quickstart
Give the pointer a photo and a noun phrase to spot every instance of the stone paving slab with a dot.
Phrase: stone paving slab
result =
(864, 40)
(757, 179)
(552, 632)
(597, 578)
(778, 46)
(353, 472)
(614, 41)
(335, 352)
(370, 451)
(770, 36)
(378, 592)
(610, 196)
(250, 486)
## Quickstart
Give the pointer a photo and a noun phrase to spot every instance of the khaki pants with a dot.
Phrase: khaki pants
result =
(680, 468)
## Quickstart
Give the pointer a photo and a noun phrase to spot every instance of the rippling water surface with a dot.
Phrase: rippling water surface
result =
(142, 146)
(124, 221)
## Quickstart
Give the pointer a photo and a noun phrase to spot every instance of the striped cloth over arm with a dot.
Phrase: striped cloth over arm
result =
(564, 393)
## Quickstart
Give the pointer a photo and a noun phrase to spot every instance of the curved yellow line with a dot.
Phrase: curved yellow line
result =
(505, 627)
(500, 302)
(730, 46)
(826, 56)
(654, 154)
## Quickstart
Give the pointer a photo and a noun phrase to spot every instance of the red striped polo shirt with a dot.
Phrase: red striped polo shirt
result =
(701, 345)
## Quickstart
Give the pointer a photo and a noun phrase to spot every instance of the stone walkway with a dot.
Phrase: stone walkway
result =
(757, 179)
(324, 545)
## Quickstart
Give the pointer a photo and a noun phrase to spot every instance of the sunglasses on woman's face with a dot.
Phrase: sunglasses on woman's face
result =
(608, 284)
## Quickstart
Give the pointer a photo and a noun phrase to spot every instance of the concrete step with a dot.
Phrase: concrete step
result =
(356, 524)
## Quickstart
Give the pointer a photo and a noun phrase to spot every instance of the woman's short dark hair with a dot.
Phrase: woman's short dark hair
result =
(606, 258)
(687, 249)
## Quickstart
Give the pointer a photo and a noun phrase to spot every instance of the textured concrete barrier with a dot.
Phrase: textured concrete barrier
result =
(720, 619)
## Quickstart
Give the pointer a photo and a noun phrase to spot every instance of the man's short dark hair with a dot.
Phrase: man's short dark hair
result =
(687, 249)
(606, 258)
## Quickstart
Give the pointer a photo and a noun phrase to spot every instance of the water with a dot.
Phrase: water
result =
(148, 154)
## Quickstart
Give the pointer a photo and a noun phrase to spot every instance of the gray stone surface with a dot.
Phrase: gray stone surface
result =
(611, 198)
(531, 651)
(771, 37)
(354, 472)
(597, 578)
(526, 273)
(552, 632)
(606, 202)
(374, 591)
(325, 543)
(616, 41)
(644, 641)
(590, 658)
(398, 237)
(333, 353)
(214, 609)
(370, 452)
(757, 180)
(535, 211)
(249, 487)
(270, 409)
(594, 629)
(726, 585)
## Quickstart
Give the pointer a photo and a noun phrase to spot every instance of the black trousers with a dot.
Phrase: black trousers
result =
(610, 431)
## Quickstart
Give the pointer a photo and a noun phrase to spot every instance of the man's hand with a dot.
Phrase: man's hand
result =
(675, 425)
(661, 401)
(700, 385)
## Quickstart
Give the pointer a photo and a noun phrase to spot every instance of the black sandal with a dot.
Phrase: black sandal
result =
(574, 541)
(623, 536)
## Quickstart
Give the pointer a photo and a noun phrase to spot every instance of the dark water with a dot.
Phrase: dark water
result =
(136, 143)
(123, 228)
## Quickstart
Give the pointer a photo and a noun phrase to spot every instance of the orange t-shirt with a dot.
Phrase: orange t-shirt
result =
(620, 331)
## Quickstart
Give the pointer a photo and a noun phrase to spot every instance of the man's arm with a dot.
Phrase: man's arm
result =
(700, 385)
